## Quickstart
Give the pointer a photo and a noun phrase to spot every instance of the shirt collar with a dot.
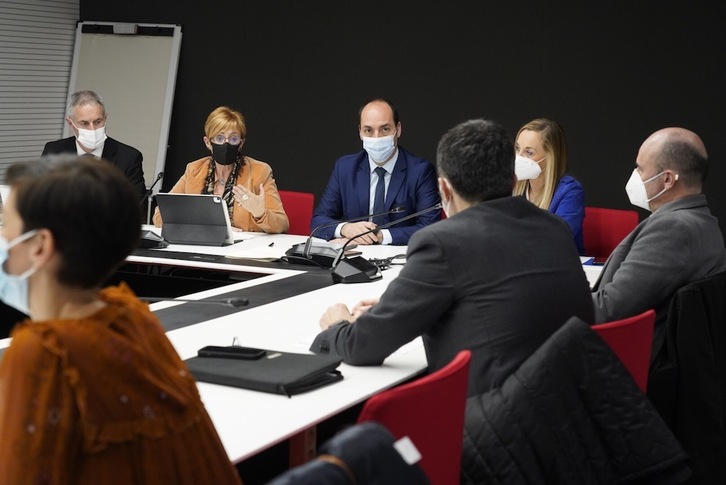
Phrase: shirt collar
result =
(97, 152)
(388, 166)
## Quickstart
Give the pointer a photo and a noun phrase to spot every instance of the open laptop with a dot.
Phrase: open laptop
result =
(195, 219)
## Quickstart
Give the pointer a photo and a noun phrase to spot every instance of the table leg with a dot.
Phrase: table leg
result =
(302, 446)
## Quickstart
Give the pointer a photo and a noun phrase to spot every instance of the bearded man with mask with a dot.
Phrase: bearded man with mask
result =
(678, 244)
(246, 185)
(377, 179)
(86, 116)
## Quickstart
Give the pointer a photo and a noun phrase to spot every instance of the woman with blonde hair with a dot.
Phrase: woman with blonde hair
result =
(540, 166)
(245, 184)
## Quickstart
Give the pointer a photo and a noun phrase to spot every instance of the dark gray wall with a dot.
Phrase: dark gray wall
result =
(610, 72)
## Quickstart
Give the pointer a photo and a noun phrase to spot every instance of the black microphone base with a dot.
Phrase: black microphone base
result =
(318, 255)
(150, 240)
(356, 270)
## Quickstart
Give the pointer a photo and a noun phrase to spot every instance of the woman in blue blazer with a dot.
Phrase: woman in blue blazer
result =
(540, 166)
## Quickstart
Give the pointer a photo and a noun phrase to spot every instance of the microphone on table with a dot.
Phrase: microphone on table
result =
(323, 256)
(234, 301)
(149, 239)
(358, 269)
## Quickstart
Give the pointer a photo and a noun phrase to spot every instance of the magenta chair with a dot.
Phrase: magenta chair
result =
(603, 229)
(299, 209)
(430, 411)
(631, 340)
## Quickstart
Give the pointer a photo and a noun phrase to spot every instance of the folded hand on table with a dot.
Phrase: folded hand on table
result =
(363, 306)
(339, 312)
(334, 314)
(351, 230)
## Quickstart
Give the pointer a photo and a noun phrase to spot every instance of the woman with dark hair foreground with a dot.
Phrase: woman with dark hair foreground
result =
(91, 390)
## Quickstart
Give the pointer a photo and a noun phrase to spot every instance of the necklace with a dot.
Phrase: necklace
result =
(221, 182)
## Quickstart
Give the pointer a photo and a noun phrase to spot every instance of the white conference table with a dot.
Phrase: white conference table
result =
(249, 422)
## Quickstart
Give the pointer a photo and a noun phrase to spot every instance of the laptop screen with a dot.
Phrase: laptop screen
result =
(195, 219)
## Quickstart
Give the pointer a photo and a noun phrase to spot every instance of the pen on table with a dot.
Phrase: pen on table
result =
(271, 244)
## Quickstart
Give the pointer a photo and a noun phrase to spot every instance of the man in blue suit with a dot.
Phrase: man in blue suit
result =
(379, 178)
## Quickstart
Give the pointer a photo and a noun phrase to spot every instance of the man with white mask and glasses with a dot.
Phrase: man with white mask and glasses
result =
(87, 116)
(377, 179)
(678, 244)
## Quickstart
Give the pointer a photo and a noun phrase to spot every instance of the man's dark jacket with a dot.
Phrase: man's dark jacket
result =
(127, 158)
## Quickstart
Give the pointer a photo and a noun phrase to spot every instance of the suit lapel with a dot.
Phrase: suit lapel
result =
(364, 192)
(397, 178)
(109, 151)
(69, 145)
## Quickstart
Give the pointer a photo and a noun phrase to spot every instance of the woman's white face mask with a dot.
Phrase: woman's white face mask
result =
(14, 288)
(527, 169)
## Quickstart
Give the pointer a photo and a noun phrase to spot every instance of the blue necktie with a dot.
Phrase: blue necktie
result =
(378, 201)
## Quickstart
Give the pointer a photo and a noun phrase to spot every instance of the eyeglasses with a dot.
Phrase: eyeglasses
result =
(233, 140)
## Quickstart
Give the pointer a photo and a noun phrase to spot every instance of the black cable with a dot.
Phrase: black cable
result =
(385, 263)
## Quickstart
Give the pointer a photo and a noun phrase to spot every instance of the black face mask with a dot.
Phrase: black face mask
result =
(225, 154)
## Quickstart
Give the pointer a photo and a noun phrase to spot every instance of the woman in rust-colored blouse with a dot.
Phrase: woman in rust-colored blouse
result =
(91, 390)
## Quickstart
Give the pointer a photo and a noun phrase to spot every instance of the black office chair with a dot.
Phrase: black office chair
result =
(687, 378)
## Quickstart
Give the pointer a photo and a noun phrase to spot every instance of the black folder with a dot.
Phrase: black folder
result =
(276, 372)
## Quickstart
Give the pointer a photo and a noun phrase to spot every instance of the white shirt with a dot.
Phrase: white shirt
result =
(97, 152)
(388, 167)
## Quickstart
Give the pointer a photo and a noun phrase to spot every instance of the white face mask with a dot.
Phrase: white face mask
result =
(445, 207)
(526, 169)
(14, 289)
(635, 188)
(379, 149)
(91, 138)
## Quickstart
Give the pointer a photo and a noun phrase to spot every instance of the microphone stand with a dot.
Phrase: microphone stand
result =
(324, 256)
(149, 239)
(358, 269)
(147, 194)
(234, 302)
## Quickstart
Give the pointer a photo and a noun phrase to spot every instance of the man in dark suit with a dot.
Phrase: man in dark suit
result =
(87, 118)
(378, 178)
(497, 277)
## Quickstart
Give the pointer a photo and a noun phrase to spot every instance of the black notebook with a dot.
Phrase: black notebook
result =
(276, 372)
